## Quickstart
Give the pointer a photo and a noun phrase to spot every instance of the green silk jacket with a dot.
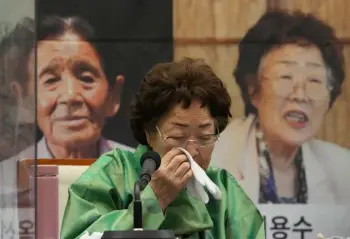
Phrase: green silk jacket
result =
(102, 200)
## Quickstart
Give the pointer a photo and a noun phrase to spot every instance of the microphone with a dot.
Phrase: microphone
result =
(150, 162)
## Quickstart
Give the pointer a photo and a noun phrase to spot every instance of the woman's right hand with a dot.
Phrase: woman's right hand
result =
(171, 177)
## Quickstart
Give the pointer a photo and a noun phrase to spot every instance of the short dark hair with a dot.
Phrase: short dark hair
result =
(168, 84)
(54, 26)
(15, 50)
(279, 27)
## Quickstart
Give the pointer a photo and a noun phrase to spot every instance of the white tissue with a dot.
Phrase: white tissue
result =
(200, 179)
(94, 235)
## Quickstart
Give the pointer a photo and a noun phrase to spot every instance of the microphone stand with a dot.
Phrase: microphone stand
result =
(138, 231)
(137, 206)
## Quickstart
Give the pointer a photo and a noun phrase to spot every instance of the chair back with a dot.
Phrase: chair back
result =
(54, 176)
(47, 202)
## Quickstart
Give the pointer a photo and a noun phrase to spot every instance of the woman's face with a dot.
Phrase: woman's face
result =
(74, 97)
(294, 93)
(180, 127)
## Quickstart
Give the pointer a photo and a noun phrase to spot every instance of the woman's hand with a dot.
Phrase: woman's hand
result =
(171, 177)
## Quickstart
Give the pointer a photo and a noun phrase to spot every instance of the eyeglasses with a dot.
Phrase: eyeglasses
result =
(175, 141)
(314, 89)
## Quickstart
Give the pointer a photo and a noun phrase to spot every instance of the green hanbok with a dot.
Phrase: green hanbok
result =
(102, 200)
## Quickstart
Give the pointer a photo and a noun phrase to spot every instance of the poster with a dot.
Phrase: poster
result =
(286, 148)
(132, 36)
(305, 221)
(17, 116)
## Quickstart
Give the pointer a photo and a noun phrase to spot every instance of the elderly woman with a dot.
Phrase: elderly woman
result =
(17, 127)
(182, 104)
(78, 88)
(290, 72)
(17, 111)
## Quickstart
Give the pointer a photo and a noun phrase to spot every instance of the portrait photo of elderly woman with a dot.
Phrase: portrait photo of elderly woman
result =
(179, 104)
(17, 115)
(290, 71)
(77, 90)
(18, 100)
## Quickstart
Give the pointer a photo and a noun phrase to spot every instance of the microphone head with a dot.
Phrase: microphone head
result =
(151, 155)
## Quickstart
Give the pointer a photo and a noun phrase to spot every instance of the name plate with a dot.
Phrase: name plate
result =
(306, 222)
